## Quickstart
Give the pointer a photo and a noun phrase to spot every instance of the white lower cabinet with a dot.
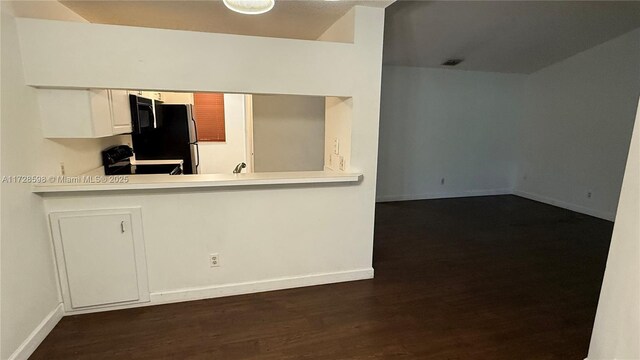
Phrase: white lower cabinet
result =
(101, 257)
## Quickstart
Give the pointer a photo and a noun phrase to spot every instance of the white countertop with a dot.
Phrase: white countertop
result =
(156, 162)
(92, 181)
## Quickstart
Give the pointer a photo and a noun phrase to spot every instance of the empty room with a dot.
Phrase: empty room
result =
(276, 179)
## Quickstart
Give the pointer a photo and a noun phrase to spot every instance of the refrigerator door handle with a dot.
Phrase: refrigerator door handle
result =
(195, 128)
(153, 111)
(197, 157)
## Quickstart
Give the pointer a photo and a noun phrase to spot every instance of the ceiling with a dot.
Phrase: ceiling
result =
(501, 36)
(295, 19)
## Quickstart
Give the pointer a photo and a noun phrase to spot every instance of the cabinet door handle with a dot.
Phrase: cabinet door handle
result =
(122, 227)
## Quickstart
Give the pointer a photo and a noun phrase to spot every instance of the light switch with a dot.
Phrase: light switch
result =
(334, 162)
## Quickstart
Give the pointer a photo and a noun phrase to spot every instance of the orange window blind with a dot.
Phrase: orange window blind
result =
(208, 109)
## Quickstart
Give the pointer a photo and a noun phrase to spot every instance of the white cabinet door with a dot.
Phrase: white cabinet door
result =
(120, 112)
(100, 104)
(101, 258)
(155, 95)
(72, 113)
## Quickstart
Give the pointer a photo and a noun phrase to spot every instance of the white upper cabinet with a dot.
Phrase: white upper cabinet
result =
(93, 113)
(177, 98)
(120, 111)
(165, 96)
(155, 95)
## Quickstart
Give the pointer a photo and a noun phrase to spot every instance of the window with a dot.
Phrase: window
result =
(208, 109)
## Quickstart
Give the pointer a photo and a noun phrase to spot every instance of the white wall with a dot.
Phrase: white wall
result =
(342, 30)
(553, 136)
(266, 236)
(456, 125)
(577, 127)
(177, 98)
(338, 122)
(222, 157)
(288, 69)
(616, 332)
(45, 9)
(288, 133)
(29, 290)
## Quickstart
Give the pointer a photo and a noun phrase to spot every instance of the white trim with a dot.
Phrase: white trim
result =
(248, 131)
(215, 291)
(31, 343)
(611, 216)
(444, 195)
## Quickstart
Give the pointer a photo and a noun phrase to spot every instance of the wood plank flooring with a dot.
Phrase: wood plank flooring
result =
(474, 278)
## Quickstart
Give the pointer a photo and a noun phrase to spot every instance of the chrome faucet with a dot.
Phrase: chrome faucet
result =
(239, 168)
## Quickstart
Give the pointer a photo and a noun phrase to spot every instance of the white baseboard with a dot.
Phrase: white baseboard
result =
(214, 291)
(565, 205)
(208, 292)
(469, 193)
(31, 343)
(444, 195)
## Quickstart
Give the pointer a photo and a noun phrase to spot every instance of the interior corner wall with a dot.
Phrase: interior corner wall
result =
(341, 30)
(337, 127)
(440, 124)
(559, 135)
(29, 286)
(288, 133)
(577, 125)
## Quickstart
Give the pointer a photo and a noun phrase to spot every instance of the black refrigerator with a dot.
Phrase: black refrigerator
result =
(175, 138)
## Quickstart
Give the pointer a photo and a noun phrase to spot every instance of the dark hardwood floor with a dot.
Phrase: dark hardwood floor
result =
(474, 278)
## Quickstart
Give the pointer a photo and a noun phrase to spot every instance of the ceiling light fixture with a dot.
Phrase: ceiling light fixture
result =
(250, 7)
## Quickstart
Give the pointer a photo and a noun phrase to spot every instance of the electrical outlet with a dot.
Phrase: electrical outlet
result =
(62, 170)
(341, 163)
(336, 146)
(214, 260)
(442, 181)
(589, 195)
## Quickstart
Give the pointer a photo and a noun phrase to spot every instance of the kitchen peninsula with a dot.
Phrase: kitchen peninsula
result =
(162, 238)
(149, 182)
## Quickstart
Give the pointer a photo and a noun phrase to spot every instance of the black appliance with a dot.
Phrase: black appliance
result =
(176, 139)
(145, 116)
(116, 161)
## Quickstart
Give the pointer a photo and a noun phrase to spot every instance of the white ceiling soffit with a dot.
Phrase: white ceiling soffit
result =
(501, 36)
(295, 19)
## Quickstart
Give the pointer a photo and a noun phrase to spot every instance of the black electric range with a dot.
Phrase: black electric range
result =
(117, 161)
